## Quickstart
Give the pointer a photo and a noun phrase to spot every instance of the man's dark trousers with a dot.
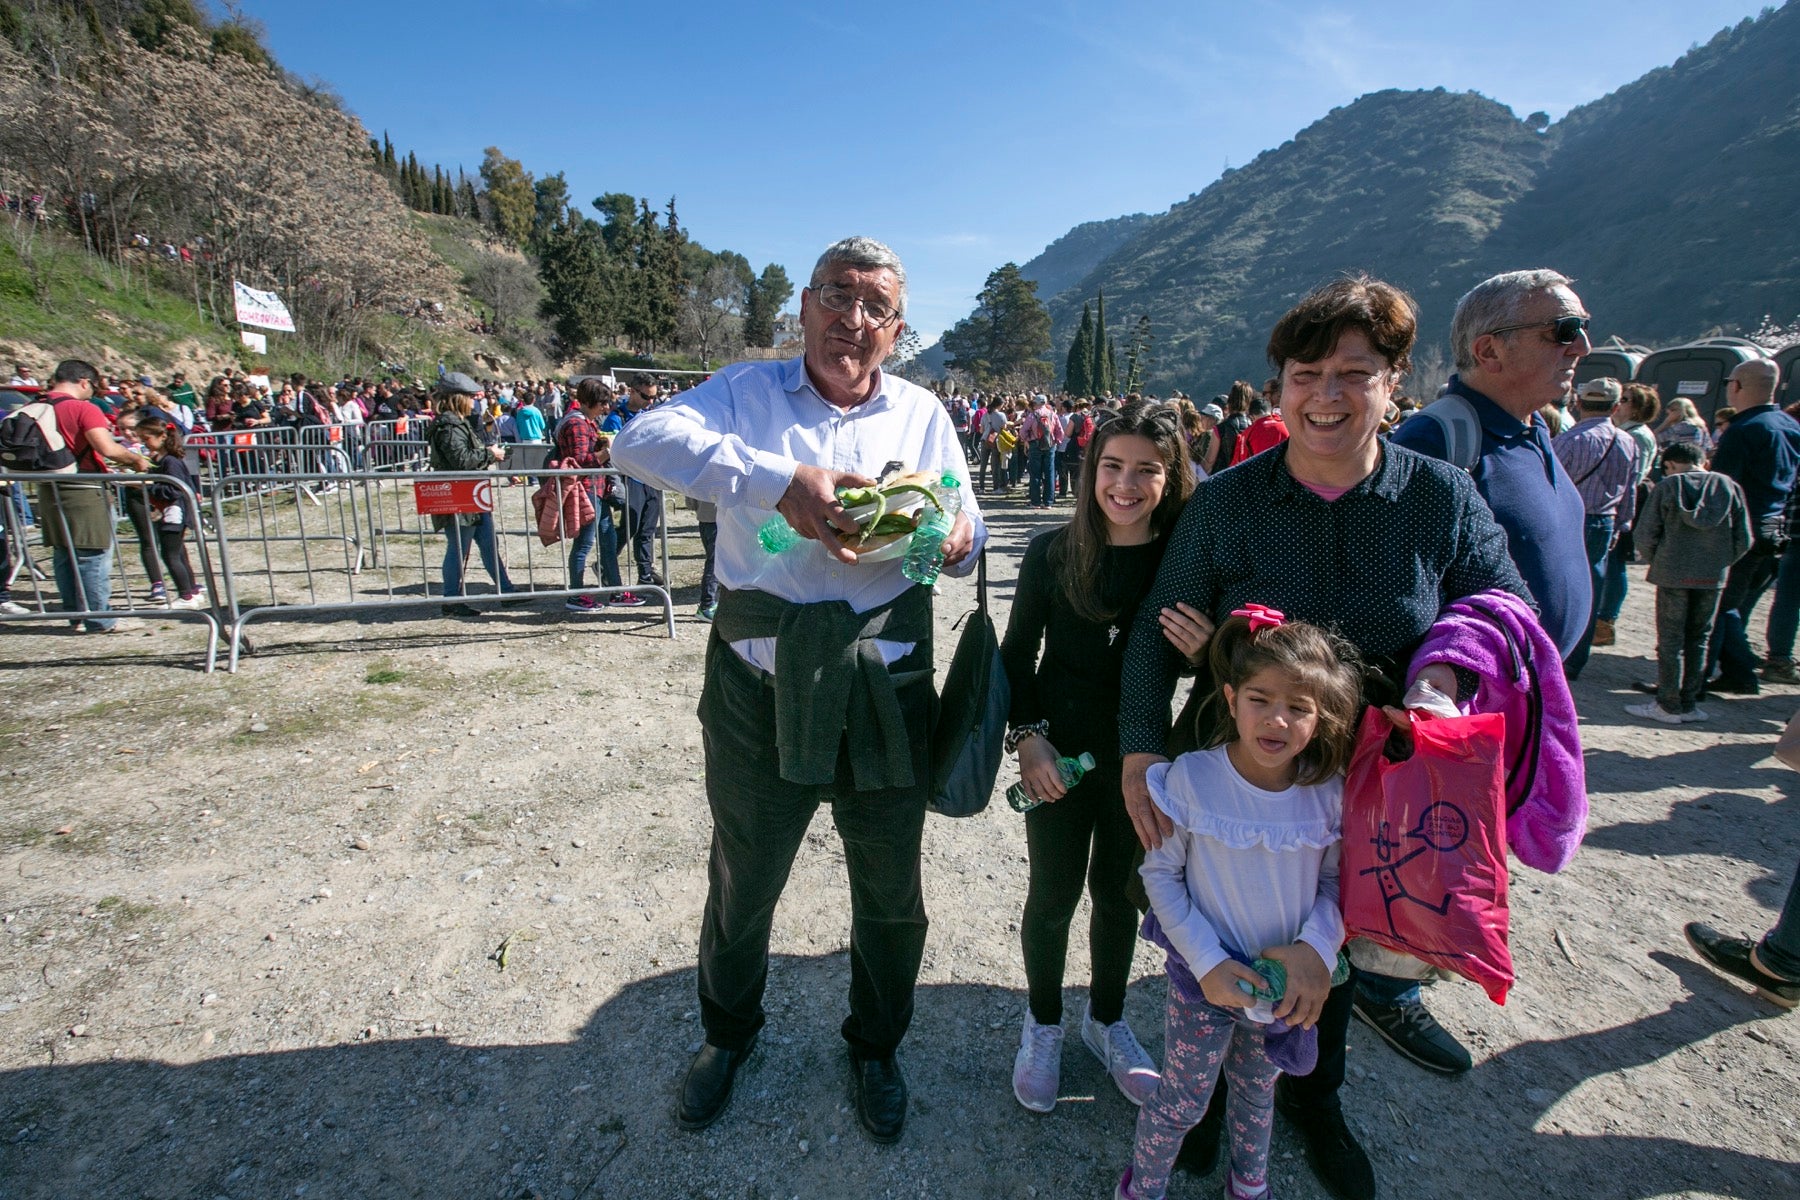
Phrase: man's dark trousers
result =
(759, 820)
(1749, 578)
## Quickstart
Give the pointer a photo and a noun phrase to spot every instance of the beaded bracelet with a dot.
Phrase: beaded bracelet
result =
(1020, 732)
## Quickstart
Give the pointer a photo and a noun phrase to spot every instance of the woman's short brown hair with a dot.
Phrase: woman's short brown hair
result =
(1381, 312)
(592, 391)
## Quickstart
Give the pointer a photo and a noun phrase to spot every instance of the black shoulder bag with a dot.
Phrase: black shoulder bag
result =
(969, 738)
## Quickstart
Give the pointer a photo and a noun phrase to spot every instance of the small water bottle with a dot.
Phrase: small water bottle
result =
(776, 535)
(925, 552)
(1070, 769)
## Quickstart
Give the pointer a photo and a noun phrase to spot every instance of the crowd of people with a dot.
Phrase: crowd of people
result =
(464, 424)
(1308, 556)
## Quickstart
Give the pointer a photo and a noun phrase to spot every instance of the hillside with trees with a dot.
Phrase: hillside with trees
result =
(150, 155)
(1670, 201)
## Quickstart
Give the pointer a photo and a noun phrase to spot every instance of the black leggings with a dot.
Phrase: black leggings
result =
(1085, 834)
(173, 542)
(143, 523)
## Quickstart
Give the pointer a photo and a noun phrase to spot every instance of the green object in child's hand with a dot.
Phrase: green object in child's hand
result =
(1275, 978)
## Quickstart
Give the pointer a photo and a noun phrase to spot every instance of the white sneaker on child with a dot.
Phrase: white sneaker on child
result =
(1118, 1051)
(1037, 1070)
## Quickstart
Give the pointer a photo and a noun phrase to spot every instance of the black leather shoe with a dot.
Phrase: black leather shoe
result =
(1331, 1149)
(880, 1097)
(1734, 687)
(706, 1090)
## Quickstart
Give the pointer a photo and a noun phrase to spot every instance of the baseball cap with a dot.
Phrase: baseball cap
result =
(1605, 388)
(1213, 411)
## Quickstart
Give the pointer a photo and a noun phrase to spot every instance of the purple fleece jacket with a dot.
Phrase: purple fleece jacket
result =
(1497, 637)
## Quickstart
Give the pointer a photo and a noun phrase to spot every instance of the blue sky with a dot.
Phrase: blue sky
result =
(965, 135)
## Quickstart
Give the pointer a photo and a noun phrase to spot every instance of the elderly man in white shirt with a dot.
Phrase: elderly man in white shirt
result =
(796, 707)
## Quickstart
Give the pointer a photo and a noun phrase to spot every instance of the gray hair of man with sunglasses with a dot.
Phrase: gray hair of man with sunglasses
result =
(865, 254)
(1495, 303)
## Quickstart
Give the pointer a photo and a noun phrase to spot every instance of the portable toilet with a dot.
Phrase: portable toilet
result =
(1617, 360)
(1788, 361)
(1697, 370)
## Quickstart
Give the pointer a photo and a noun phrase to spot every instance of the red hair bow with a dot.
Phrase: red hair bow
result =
(1260, 616)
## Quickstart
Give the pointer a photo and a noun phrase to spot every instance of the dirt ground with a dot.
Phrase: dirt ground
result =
(269, 963)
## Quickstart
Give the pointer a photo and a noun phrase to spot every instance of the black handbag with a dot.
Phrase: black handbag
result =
(969, 739)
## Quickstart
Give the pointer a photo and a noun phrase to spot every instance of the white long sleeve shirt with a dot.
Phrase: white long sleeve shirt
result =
(736, 440)
(1245, 869)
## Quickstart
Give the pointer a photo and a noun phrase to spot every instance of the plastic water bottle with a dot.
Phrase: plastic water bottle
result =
(1070, 769)
(776, 535)
(925, 553)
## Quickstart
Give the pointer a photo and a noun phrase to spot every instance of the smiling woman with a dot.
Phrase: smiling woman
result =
(1334, 529)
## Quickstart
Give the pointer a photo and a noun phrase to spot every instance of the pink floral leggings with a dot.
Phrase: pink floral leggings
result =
(1199, 1039)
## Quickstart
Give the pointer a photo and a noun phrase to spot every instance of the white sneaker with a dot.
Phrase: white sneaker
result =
(1037, 1071)
(13, 608)
(1652, 711)
(1698, 714)
(1118, 1051)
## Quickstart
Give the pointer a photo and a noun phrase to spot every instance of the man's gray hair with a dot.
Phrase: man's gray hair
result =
(865, 254)
(1495, 303)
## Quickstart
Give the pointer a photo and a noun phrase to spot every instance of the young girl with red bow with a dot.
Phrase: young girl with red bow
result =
(1249, 874)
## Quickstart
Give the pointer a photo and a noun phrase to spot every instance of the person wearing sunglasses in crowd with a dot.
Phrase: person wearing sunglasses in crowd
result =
(1515, 339)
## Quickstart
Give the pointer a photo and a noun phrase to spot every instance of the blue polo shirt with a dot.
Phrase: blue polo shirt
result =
(1535, 502)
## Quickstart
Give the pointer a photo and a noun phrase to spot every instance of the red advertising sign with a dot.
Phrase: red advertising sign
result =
(434, 499)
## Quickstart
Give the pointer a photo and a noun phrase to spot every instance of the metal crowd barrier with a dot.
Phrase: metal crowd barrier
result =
(395, 444)
(383, 554)
(122, 493)
(222, 460)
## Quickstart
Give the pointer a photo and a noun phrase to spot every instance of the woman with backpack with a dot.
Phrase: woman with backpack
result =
(455, 446)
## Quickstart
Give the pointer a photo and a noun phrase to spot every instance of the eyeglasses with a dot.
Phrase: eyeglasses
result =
(1564, 330)
(875, 312)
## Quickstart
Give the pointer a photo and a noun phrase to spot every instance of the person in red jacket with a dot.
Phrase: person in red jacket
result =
(1265, 433)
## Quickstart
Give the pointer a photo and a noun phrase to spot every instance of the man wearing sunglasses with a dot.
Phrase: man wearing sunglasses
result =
(1515, 340)
(817, 679)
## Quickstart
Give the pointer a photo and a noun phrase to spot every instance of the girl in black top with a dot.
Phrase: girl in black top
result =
(172, 513)
(1079, 588)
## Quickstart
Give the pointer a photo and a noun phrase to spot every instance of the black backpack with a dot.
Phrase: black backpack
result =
(30, 441)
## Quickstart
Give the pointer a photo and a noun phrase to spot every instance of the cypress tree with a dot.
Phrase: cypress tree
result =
(1112, 365)
(1100, 376)
(387, 155)
(1077, 377)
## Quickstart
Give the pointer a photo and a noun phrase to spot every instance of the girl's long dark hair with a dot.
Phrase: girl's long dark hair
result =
(174, 442)
(1083, 542)
(1317, 660)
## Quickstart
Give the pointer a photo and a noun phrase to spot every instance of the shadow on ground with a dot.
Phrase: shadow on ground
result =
(426, 1117)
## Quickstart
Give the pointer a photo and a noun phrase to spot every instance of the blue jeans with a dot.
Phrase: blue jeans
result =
(709, 578)
(84, 575)
(1598, 533)
(456, 552)
(645, 507)
(1613, 592)
(1041, 486)
(600, 530)
(1749, 578)
(1784, 609)
(1780, 949)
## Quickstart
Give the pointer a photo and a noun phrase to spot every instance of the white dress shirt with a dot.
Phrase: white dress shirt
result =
(735, 441)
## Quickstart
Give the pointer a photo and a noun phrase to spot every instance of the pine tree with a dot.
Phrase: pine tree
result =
(1077, 380)
(1005, 340)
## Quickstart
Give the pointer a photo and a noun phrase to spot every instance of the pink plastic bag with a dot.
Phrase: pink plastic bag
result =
(1424, 866)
